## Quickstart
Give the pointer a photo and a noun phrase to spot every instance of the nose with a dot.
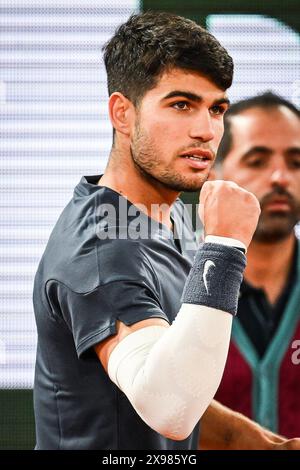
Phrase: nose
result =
(202, 127)
(280, 176)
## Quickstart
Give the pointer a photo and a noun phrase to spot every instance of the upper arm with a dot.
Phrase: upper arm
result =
(126, 292)
(106, 347)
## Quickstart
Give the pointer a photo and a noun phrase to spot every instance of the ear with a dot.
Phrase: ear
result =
(121, 113)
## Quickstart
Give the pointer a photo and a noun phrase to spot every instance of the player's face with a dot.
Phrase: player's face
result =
(265, 159)
(178, 129)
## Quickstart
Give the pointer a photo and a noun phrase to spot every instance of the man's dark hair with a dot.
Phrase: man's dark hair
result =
(150, 43)
(264, 101)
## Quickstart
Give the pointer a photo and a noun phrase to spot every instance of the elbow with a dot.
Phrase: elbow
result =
(175, 437)
(171, 422)
(180, 423)
(180, 436)
(170, 431)
(174, 415)
(177, 434)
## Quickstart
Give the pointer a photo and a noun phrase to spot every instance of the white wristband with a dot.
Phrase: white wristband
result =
(225, 241)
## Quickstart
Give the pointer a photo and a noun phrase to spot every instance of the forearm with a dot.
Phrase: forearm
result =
(225, 429)
(170, 376)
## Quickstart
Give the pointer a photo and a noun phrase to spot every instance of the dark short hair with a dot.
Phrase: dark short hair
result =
(150, 43)
(264, 101)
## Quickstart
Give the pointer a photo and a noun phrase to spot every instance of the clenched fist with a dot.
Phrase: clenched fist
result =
(227, 210)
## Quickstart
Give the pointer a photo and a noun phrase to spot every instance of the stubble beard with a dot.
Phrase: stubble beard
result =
(275, 228)
(147, 161)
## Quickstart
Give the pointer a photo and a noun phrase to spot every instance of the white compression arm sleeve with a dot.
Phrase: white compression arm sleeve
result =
(170, 375)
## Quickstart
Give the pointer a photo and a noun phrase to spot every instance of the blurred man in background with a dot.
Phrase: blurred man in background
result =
(260, 151)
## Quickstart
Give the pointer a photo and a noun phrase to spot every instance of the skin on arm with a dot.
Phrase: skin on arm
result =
(106, 347)
(225, 429)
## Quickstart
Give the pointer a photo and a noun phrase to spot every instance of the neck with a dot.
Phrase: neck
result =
(269, 265)
(125, 178)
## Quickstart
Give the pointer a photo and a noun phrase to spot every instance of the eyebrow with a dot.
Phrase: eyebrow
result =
(257, 149)
(193, 97)
(268, 151)
(293, 151)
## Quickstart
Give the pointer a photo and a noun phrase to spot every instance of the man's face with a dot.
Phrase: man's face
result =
(265, 160)
(178, 128)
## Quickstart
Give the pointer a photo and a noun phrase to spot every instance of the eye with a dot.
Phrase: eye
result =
(255, 162)
(295, 163)
(181, 105)
(218, 110)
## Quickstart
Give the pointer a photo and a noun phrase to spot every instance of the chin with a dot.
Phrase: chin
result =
(187, 188)
(274, 232)
(194, 186)
(184, 183)
(191, 189)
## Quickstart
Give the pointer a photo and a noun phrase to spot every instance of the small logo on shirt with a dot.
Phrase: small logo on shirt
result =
(207, 265)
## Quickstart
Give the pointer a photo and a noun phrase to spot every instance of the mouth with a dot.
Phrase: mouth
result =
(198, 154)
(279, 204)
(199, 159)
